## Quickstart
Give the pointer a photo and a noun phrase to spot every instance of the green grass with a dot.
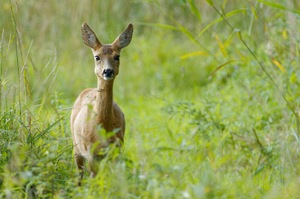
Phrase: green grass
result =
(210, 92)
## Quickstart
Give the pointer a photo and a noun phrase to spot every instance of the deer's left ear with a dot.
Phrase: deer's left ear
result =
(125, 38)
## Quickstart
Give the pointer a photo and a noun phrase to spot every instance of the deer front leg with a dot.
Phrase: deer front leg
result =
(80, 165)
(93, 167)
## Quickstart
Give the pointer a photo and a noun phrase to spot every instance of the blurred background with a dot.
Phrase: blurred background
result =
(209, 88)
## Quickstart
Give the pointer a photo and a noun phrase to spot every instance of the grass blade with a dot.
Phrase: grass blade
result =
(230, 14)
(278, 64)
(38, 136)
(221, 66)
(194, 9)
(193, 54)
(279, 6)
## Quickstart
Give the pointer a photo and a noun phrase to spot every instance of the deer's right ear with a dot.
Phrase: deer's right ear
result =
(89, 37)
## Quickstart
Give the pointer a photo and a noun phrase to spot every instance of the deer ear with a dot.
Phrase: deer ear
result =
(89, 37)
(125, 38)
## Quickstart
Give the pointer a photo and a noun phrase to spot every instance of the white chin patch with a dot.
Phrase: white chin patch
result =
(107, 78)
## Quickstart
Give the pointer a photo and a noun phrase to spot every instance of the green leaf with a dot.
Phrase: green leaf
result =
(279, 6)
(192, 54)
(230, 14)
(194, 9)
(221, 66)
(187, 33)
(210, 2)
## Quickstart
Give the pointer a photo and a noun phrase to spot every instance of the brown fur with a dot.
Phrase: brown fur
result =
(94, 108)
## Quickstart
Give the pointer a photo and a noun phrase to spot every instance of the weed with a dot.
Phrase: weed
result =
(210, 91)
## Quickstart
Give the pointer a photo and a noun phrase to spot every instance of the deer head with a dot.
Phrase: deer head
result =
(107, 56)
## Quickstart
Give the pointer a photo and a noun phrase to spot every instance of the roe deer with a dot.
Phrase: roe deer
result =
(95, 107)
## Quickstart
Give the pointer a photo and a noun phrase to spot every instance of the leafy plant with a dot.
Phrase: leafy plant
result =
(210, 91)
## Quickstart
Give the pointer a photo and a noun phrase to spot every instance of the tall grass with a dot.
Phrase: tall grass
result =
(210, 91)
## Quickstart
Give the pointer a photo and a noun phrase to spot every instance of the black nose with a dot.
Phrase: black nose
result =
(108, 73)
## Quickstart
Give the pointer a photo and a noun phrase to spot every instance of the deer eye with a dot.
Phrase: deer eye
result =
(97, 58)
(117, 57)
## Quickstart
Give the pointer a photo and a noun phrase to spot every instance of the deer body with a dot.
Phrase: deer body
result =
(94, 108)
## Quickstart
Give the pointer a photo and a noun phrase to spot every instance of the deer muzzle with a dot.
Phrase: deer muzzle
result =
(108, 74)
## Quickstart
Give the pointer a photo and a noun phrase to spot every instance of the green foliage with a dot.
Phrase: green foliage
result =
(210, 91)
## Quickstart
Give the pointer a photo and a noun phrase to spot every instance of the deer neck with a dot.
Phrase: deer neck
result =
(104, 103)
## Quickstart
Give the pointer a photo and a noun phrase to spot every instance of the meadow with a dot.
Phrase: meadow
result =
(210, 90)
